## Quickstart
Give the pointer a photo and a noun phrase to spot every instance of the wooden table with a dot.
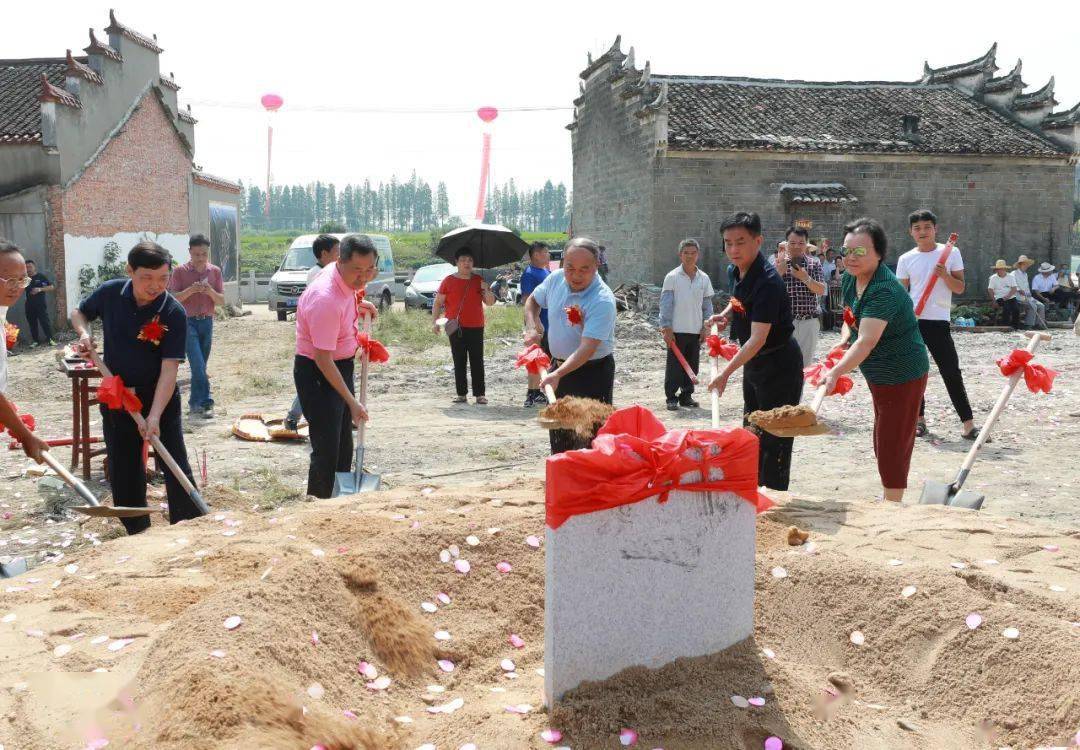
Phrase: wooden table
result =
(81, 373)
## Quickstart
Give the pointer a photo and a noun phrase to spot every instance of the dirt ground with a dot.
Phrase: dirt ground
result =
(456, 470)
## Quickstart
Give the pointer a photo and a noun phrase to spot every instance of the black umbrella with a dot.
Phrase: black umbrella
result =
(491, 245)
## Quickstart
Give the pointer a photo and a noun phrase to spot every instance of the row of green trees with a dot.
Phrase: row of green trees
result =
(394, 206)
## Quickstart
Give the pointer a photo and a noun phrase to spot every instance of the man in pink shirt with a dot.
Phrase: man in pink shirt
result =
(326, 328)
(198, 286)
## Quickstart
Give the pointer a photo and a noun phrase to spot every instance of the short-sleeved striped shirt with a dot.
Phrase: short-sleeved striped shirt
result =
(900, 354)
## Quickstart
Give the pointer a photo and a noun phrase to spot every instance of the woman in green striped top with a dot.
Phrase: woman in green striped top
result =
(888, 350)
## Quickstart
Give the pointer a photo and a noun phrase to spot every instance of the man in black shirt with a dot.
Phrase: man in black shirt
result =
(37, 314)
(760, 317)
(145, 332)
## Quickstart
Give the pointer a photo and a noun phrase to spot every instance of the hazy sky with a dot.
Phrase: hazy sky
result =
(324, 57)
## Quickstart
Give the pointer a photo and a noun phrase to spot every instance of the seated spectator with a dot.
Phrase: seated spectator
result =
(1002, 290)
(1045, 288)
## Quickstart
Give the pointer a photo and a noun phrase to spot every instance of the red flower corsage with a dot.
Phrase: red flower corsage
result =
(11, 335)
(737, 306)
(153, 331)
(574, 315)
(849, 318)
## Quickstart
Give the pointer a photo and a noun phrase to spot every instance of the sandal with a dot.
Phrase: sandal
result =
(460, 400)
(481, 400)
(920, 429)
(974, 434)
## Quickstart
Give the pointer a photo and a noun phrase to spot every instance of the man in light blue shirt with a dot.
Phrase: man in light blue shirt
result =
(581, 316)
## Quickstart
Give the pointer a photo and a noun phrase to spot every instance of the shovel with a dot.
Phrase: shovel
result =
(682, 361)
(358, 480)
(162, 453)
(793, 421)
(93, 507)
(953, 495)
(714, 396)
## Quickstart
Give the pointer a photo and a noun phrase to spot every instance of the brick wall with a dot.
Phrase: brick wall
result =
(612, 191)
(54, 245)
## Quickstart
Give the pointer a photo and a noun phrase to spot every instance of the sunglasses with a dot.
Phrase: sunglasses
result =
(858, 252)
(20, 283)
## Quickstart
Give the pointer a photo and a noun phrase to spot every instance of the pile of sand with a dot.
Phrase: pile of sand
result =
(321, 587)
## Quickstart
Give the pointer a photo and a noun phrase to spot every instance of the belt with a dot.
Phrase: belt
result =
(808, 317)
(200, 317)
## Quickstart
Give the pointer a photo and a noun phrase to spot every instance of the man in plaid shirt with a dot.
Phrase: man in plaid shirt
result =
(805, 282)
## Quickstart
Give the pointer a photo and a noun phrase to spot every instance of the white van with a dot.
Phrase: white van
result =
(290, 280)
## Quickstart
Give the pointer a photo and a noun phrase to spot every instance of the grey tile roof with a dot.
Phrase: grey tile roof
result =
(20, 87)
(816, 192)
(716, 113)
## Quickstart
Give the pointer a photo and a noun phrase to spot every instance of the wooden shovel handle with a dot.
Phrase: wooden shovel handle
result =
(361, 429)
(548, 390)
(70, 478)
(682, 361)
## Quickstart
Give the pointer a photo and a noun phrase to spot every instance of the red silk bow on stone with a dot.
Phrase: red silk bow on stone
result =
(533, 359)
(718, 347)
(574, 315)
(1037, 377)
(115, 395)
(814, 375)
(635, 457)
(849, 317)
(376, 352)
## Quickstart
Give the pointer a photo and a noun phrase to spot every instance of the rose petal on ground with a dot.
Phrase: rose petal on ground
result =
(468, 746)
(316, 691)
(774, 743)
(454, 550)
(507, 665)
(520, 708)
(990, 561)
(908, 592)
(1055, 587)
(71, 569)
(442, 635)
(958, 565)
(444, 555)
(314, 638)
(1051, 547)
(894, 562)
(973, 620)
(504, 567)
(318, 553)
(427, 746)
(1011, 633)
(857, 637)
(62, 650)
(494, 530)
(379, 684)
(230, 532)
(232, 623)
(428, 607)
(472, 541)
(119, 644)
(368, 670)
(414, 525)
(462, 566)
(540, 671)
(551, 736)
(532, 541)
(217, 654)
(403, 719)
(779, 572)
(443, 598)
(446, 665)
(349, 714)
(435, 688)
(10, 617)
(740, 702)
(757, 700)
(447, 708)
(516, 641)
(98, 640)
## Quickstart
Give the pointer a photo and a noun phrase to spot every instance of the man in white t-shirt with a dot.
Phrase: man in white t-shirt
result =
(1002, 290)
(13, 280)
(915, 269)
(685, 305)
(1034, 312)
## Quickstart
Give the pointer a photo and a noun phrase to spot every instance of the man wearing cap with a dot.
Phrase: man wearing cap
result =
(581, 313)
(1002, 290)
(1034, 311)
(1045, 287)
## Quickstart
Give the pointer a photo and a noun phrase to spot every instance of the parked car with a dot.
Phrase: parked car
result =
(420, 291)
(290, 280)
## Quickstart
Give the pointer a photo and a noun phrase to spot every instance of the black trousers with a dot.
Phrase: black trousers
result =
(940, 344)
(1010, 311)
(772, 380)
(127, 476)
(467, 348)
(594, 379)
(677, 384)
(36, 317)
(330, 425)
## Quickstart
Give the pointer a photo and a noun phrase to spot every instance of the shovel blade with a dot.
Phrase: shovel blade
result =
(785, 432)
(113, 511)
(347, 483)
(941, 493)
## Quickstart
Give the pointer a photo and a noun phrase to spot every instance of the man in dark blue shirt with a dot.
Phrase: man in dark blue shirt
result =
(532, 277)
(760, 317)
(37, 313)
(145, 333)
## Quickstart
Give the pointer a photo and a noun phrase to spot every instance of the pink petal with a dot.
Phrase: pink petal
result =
(318, 747)
(551, 736)
(414, 525)
(507, 665)
(774, 743)
(119, 644)
(314, 638)
(627, 737)
(379, 684)
(349, 714)
(444, 556)
(232, 623)
(443, 598)
(468, 746)
(446, 665)
(503, 567)
(462, 566)
(1051, 547)
(756, 701)
(516, 641)
(217, 654)
(367, 670)
(316, 691)
(532, 541)
(455, 550)
(973, 620)
(342, 550)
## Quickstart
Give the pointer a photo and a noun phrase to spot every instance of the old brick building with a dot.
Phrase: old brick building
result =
(95, 150)
(661, 157)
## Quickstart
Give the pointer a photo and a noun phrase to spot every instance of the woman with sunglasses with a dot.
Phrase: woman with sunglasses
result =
(888, 350)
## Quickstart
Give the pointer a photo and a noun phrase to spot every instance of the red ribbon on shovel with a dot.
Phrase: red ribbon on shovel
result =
(1037, 377)
(376, 352)
(533, 359)
(718, 347)
(114, 394)
(815, 373)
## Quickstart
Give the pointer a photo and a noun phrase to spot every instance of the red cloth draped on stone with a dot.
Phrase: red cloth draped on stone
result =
(635, 457)
(814, 375)
(718, 347)
(114, 394)
(375, 350)
(533, 359)
(1037, 377)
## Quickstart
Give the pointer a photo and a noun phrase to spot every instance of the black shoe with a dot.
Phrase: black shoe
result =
(530, 401)
(672, 405)
(540, 398)
(291, 424)
(688, 403)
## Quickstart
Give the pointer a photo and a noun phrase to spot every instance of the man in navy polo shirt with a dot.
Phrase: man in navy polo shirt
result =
(145, 332)
(532, 277)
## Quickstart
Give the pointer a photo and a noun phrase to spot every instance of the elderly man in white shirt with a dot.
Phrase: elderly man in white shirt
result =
(685, 305)
(1034, 312)
(1002, 290)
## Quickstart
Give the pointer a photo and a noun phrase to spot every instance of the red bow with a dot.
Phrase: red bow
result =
(718, 347)
(1037, 377)
(835, 354)
(574, 315)
(115, 395)
(375, 350)
(11, 335)
(849, 317)
(815, 376)
(153, 330)
(533, 359)
(635, 457)
(737, 306)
